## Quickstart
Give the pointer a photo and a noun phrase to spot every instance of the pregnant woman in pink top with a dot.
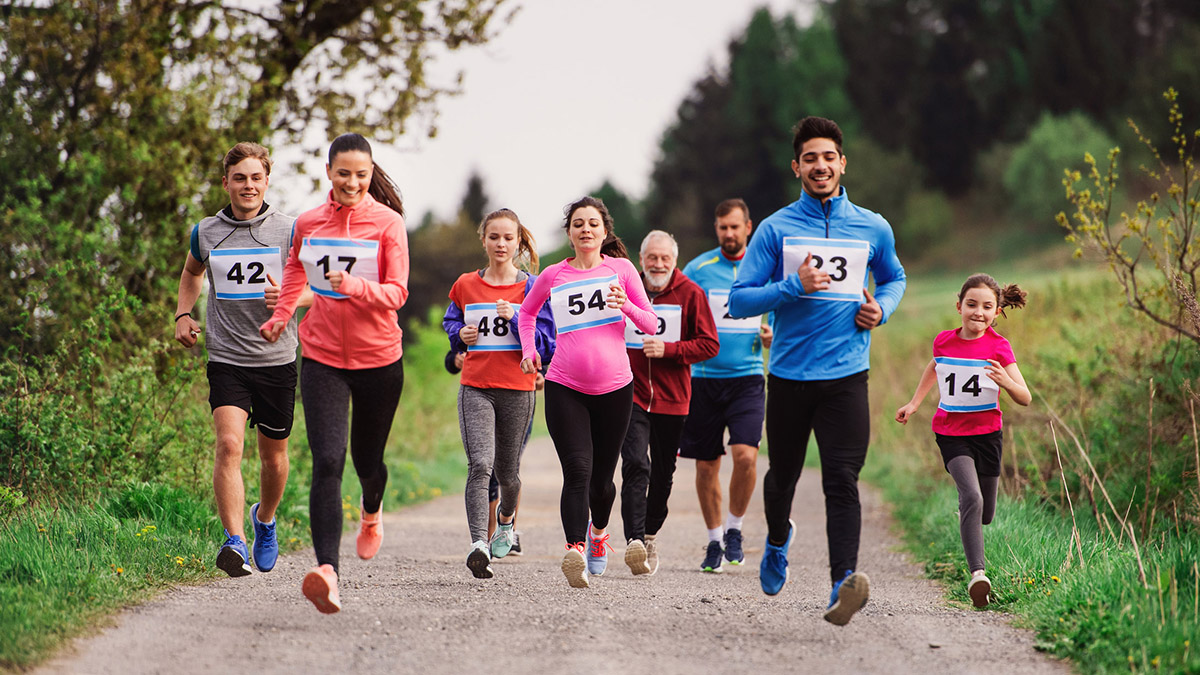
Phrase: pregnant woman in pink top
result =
(589, 386)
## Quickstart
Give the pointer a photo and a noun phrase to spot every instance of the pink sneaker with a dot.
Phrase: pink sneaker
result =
(320, 587)
(370, 533)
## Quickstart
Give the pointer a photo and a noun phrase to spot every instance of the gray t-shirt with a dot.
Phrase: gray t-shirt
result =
(238, 255)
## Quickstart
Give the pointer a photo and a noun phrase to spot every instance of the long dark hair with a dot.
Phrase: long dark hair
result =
(382, 187)
(612, 246)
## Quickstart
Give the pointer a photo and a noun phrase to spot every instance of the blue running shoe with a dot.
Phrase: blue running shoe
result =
(266, 548)
(773, 572)
(712, 558)
(597, 553)
(233, 557)
(848, 596)
(733, 547)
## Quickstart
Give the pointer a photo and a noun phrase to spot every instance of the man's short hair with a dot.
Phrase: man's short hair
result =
(725, 207)
(244, 150)
(658, 234)
(815, 127)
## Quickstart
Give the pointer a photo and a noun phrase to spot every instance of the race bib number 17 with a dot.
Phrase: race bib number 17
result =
(964, 386)
(844, 260)
(352, 256)
(579, 305)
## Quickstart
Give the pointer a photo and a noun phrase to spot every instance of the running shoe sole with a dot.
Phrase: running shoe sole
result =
(574, 567)
(480, 564)
(635, 557)
(232, 562)
(979, 589)
(316, 589)
(852, 596)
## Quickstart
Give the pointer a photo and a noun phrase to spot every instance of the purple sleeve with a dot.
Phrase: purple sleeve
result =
(638, 308)
(535, 297)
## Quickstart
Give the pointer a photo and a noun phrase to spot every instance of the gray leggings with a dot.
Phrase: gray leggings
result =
(493, 424)
(976, 506)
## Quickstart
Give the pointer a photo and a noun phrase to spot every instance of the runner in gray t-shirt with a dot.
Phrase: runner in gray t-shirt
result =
(243, 248)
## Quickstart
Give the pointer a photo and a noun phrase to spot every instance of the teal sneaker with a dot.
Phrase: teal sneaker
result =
(233, 558)
(773, 571)
(848, 596)
(504, 538)
(266, 548)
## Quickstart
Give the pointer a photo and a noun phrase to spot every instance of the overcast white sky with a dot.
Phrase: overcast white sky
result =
(568, 94)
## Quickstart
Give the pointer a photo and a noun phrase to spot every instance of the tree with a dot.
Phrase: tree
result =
(114, 116)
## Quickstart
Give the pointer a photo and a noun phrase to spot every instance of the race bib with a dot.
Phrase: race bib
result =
(583, 304)
(718, 302)
(353, 256)
(670, 320)
(496, 334)
(844, 260)
(964, 386)
(241, 273)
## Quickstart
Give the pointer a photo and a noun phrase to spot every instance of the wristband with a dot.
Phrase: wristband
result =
(180, 316)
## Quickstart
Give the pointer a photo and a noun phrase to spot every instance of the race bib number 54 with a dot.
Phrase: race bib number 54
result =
(579, 305)
(352, 256)
(964, 386)
(844, 260)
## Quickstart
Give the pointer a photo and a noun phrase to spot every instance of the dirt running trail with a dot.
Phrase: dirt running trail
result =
(415, 608)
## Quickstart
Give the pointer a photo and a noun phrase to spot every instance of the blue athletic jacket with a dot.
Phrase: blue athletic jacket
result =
(815, 336)
(741, 350)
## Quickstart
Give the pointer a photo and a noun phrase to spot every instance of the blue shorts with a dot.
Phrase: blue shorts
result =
(735, 403)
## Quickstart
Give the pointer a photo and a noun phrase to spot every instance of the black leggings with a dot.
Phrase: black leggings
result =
(587, 431)
(646, 477)
(327, 393)
(838, 412)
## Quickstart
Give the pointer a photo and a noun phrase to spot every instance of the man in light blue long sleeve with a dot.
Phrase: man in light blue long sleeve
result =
(809, 263)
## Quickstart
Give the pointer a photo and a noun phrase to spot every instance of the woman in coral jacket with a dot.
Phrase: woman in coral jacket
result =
(353, 251)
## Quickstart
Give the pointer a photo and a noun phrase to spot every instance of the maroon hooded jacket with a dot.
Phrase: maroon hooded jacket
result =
(664, 385)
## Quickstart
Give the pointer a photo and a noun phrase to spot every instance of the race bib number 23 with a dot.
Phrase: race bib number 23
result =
(844, 260)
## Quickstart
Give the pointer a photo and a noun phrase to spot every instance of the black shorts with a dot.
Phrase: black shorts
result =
(267, 394)
(983, 448)
(717, 403)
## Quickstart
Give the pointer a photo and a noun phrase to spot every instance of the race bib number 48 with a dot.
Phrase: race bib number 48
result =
(496, 334)
(670, 318)
(241, 273)
(718, 302)
(352, 256)
(844, 260)
(964, 386)
(579, 305)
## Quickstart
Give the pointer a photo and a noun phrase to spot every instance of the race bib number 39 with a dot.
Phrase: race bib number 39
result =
(964, 386)
(579, 305)
(352, 256)
(844, 260)
(718, 302)
(496, 334)
(670, 318)
(241, 273)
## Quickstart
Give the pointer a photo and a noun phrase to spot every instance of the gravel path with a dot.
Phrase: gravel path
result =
(416, 607)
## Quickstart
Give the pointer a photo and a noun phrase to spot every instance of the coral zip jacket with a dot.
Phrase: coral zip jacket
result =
(664, 385)
(359, 330)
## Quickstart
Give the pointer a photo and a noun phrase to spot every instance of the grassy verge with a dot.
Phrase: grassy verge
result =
(1098, 599)
(66, 564)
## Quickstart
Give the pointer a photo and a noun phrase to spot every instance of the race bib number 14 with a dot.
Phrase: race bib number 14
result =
(352, 256)
(579, 305)
(964, 386)
(844, 260)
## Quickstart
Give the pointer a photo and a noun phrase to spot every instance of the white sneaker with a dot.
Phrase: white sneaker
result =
(574, 567)
(979, 588)
(635, 557)
(652, 553)
(479, 561)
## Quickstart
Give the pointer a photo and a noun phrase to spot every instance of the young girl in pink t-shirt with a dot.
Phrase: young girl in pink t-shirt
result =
(970, 366)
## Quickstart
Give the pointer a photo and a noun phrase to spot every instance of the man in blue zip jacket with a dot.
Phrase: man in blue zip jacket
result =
(809, 263)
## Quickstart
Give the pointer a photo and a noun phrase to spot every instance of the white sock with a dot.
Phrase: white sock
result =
(733, 522)
(715, 534)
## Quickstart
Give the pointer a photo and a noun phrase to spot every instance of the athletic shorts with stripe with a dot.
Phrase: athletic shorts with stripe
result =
(718, 403)
(267, 394)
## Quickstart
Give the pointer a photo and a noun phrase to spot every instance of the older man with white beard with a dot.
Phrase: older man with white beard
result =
(662, 388)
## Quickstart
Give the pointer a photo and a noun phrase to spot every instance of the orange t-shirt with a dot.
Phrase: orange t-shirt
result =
(494, 362)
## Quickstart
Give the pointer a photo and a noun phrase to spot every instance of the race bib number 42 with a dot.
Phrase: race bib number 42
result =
(670, 318)
(844, 260)
(241, 273)
(496, 334)
(352, 256)
(718, 302)
(579, 305)
(964, 386)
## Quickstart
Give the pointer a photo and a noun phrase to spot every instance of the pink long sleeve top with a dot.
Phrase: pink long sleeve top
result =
(354, 327)
(590, 353)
